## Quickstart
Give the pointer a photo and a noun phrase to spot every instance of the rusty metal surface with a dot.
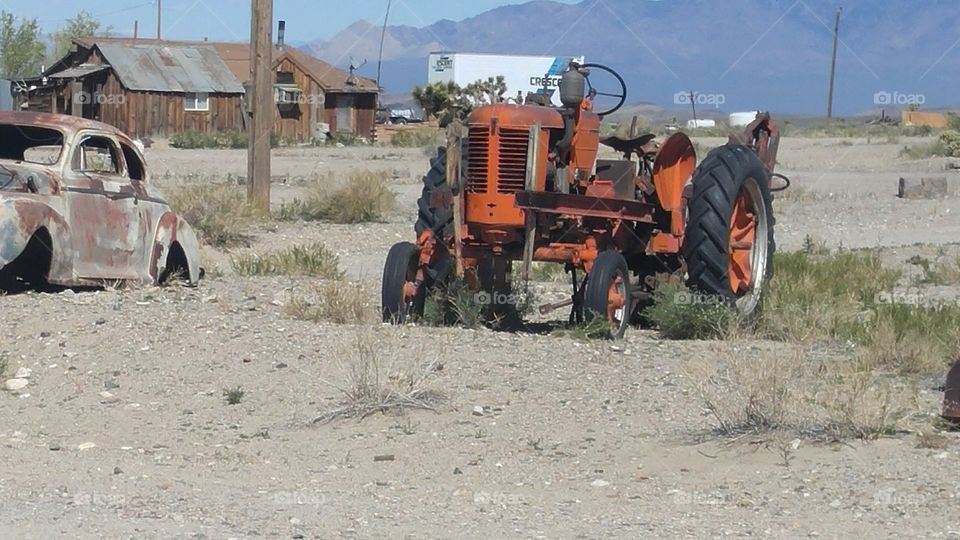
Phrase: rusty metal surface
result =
(78, 71)
(171, 68)
(763, 136)
(90, 226)
(586, 206)
(951, 394)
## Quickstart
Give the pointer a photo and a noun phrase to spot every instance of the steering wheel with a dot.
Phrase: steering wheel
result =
(592, 92)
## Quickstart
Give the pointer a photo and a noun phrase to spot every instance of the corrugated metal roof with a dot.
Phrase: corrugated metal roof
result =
(170, 68)
(78, 71)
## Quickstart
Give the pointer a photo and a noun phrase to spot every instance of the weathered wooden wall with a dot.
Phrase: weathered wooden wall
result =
(154, 113)
(363, 114)
(296, 123)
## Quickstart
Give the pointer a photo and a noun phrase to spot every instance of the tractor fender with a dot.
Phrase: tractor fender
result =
(172, 229)
(672, 171)
(20, 219)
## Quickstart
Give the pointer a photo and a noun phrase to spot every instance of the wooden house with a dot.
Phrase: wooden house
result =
(151, 87)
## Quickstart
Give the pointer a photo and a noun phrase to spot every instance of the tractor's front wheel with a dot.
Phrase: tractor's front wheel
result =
(608, 292)
(400, 297)
(729, 239)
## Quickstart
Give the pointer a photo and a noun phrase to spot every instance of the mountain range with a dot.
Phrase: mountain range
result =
(745, 54)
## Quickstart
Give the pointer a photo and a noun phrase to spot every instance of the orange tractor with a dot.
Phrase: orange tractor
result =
(523, 183)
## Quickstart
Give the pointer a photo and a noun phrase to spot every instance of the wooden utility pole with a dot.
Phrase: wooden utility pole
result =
(136, 29)
(159, 12)
(833, 64)
(693, 105)
(260, 100)
(383, 35)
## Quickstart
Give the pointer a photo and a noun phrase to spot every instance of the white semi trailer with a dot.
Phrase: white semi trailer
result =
(521, 74)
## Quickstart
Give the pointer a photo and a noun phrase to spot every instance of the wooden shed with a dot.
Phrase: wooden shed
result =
(150, 87)
(319, 93)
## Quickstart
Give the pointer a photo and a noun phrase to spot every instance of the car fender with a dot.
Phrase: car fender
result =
(173, 229)
(20, 219)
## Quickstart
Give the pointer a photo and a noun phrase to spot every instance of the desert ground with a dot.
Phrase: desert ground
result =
(124, 429)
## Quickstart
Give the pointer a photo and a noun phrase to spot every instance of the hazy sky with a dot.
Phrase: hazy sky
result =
(229, 20)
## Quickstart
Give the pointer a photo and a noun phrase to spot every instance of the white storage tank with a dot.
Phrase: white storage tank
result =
(740, 119)
(704, 123)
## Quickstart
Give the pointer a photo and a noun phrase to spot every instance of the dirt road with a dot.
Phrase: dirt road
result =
(124, 429)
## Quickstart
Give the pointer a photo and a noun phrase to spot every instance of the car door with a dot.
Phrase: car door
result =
(101, 208)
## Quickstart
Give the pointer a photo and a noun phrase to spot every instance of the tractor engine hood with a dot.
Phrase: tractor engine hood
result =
(517, 115)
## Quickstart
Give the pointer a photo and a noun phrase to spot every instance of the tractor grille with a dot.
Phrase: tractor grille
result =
(512, 169)
(478, 155)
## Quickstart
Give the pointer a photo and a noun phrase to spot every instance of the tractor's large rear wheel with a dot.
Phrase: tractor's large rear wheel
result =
(608, 292)
(400, 298)
(439, 220)
(729, 238)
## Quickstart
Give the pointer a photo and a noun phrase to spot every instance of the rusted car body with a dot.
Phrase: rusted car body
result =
(77, 207)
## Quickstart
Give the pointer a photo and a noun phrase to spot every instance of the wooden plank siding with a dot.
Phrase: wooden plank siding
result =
(154, 113)
(147, 113)
(295, 123)
(363, 114)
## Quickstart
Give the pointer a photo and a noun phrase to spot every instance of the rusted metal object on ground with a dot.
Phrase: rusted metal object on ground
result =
(77, 208)
(951, 394)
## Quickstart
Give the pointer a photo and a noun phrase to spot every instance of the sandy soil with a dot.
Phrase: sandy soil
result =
(124, 431)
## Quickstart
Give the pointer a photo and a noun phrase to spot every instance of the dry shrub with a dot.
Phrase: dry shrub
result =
(424, 137)
(365, 197)
(902, 351)
(374, 382)
(932, 440)
(310, 260)
(338, 302)
(219, 213)
(753, 390)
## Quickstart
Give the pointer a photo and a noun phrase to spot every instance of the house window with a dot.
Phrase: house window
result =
(196, 102)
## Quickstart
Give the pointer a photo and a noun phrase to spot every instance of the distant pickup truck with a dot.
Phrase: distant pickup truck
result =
(399, 116)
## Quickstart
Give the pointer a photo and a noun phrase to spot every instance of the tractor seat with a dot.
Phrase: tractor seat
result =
(628, 146)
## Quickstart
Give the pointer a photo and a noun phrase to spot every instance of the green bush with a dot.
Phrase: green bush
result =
(193, 139)
(849, 298)
(950, 139)
(230, 138)
(679, 313)
(310, 260)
